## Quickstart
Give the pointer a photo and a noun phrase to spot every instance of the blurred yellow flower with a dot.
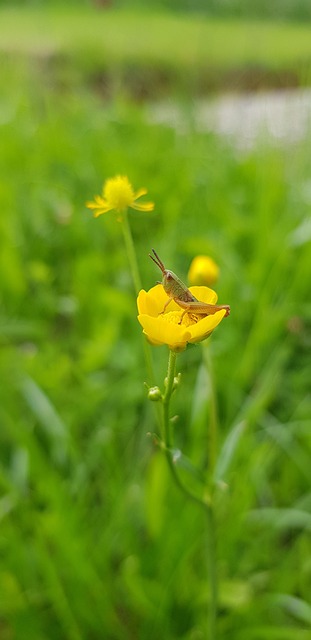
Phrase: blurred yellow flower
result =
(118, 194)
(203, 271)
(164, 328)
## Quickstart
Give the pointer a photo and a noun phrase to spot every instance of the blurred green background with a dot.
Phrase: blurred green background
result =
(95, 540)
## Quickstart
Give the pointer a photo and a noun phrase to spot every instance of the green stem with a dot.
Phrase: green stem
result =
(171, 371)
(167, 433)
(213, 418)
(206, 503)
(131, 253)
(212, 572)
(211, 527)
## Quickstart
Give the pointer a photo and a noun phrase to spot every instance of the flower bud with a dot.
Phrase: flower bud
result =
(154, 394)
(203, 271)
(175, 383)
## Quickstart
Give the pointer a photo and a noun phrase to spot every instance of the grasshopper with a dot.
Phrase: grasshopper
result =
(177, 290)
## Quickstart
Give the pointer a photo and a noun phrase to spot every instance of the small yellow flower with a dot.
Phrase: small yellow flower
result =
(203, 270)
(164, 328)
(118, 194)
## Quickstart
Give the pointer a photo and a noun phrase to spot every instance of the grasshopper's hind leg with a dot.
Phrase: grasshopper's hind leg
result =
(183, 314)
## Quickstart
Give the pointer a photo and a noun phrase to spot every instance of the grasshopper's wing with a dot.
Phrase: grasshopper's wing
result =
(187, 296)
(181, 292)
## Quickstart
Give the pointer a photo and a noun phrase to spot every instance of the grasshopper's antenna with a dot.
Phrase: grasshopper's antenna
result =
(157, 260)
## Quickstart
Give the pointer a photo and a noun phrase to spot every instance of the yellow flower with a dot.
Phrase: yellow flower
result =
(165, 328)
(118, 194)
(203, 270)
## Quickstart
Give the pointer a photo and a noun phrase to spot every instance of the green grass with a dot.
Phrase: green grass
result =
(186, 51)
(95, 540)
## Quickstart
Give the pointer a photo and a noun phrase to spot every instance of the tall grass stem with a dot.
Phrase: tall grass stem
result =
(131, 254)
(212, 572)
(206, 503)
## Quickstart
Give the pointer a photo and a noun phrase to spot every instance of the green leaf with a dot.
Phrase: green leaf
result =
(228, 451)
(47, 417)
(297, 607)
(281, 518)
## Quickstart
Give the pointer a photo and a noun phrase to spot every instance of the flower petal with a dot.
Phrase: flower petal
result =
(204, 294)
(160, 331)
(99, 212)
(142, 206)
(140, 192)
(91, 205)
(153, 301)
(100, 201)
(99, 205)
(147, 303)
(201, 330)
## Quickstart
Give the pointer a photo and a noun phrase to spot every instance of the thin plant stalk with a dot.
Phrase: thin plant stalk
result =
(205, 502)
(212, 572)
(131, 254)
(167, 430)
(213, 417)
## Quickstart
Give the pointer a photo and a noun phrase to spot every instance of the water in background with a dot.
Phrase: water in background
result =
(283, 116)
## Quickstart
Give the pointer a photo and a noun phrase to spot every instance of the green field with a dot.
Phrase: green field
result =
(96, 541)
(153, 51)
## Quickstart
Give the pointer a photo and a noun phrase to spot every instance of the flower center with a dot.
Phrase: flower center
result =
(174, 318)
(119, 193)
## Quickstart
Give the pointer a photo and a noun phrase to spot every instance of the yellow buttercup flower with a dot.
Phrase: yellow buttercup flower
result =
(164, 328)
(203, 271)
(118, 194)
